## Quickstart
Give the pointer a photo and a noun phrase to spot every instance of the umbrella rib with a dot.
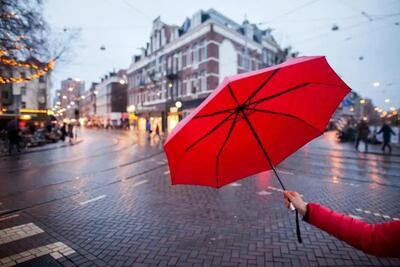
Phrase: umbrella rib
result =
(254, 132)
(290, 90)
(210, 132)
(286, 115)
(224, 143)
(261, 86)
(233, 95)
(279, 94)
(214, 113)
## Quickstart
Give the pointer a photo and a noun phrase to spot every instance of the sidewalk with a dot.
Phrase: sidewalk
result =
(43, 148)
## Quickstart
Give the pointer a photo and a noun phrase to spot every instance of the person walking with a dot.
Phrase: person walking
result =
(148, 129)
(381, 240)
(362, 134)
(70, 132)
(14, 138)
(387, 132)
(157, 132)
(63, 131)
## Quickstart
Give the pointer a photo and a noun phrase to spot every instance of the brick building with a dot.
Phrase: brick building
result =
(69, 96)
(181, 65)
(111, 99)
(88, 108)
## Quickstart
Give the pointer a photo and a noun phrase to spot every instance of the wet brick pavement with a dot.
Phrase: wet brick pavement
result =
(109, 200)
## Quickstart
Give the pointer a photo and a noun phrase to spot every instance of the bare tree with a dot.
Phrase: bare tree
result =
(24, 32)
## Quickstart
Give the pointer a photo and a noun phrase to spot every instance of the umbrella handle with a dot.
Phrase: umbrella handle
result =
(298, 228)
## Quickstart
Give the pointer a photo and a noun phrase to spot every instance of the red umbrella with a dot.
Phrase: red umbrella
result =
(253, 121)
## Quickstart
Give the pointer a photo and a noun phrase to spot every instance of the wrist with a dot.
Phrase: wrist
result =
(303, 209)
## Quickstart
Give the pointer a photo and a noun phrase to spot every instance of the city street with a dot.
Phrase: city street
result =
(108, 201)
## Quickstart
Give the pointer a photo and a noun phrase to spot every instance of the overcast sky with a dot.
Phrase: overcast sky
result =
(122, 26)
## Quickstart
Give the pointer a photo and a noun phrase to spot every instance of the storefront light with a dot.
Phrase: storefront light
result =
(178, 104)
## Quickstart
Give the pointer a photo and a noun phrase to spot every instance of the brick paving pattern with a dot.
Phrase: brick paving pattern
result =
(132, 216)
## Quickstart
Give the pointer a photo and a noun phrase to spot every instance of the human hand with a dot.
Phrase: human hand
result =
(295, 198)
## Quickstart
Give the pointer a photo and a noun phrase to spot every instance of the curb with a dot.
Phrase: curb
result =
(43, 149)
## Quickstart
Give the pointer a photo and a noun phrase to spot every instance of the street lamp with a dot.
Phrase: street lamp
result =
(387, 100)
(178, 104)
(376, 84)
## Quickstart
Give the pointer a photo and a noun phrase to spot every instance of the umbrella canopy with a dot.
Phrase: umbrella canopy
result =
(253, 121)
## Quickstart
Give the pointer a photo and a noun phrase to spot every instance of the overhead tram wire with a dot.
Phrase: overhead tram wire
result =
(381, 17)
(290, 11)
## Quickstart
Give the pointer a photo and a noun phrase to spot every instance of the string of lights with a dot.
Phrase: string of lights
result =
(39, 72)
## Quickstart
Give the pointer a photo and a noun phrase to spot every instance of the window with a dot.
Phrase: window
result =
(169, 62)
(183, 89)
(184, 58)
(195, 54)
(189, 56)
(164, 91)
(178, 87)
(189, 86)
(176, 61)
(203, 51)
(203, 81)
(195, 84)
(23, 90)
(42, 79)
(23, 104)
(23, 75)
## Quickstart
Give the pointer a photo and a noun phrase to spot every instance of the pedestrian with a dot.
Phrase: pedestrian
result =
(387, 132)
(158, 131)
(362, 134)
(381, 240)
(14, 138)
(70, 132)
(63, 131)
(148, 129)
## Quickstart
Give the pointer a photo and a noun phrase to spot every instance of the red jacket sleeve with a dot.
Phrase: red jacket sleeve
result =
(382, 240)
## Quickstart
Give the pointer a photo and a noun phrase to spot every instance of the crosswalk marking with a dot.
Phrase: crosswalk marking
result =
(377, 214)
(18, 232)
(264, 193)
(286, 172)
(92, 200)
(275, 189)
(355, 216)
(235, 184)
(139, 183)
(56, 250)
(166, 172)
